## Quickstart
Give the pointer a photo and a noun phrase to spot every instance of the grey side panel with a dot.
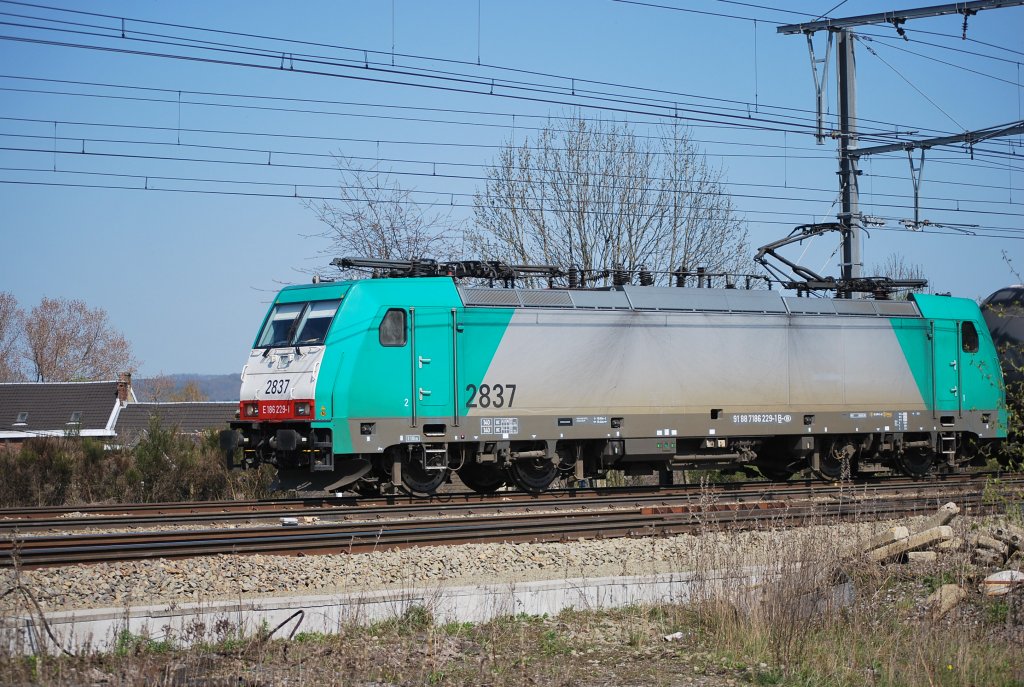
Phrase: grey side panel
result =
(637, 361)
(672, 362)
(815, 351)
(849, 363)
(876, 369)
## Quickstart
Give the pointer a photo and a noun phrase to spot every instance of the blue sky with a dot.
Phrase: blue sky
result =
(187, 275)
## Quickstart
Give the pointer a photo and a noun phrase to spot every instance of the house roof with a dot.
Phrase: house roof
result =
(187, 416)
(48, 408)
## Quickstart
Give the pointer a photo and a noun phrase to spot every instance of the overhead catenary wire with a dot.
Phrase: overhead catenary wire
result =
(175, 98)
(665, 103)
(395, 141)
(353, 49)
(183, 42)
(819, 17)
(274, 156)
(574, 80)
(753, 123)
(895, 41)
(896, 46)
(173, 95)
(417, 162)
(910, 83)
(978, 151)
(435, 174)
(978, 232)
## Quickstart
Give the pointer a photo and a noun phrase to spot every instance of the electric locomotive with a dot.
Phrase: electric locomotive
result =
(1004, 315)
(399, 381)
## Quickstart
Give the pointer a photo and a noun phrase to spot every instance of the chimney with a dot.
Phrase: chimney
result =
(124, 385)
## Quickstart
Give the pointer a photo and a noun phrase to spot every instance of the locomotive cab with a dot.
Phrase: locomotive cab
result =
(277, 415)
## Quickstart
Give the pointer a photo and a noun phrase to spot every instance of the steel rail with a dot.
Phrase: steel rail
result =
(476, 504)
(35, 552)
(134, 514)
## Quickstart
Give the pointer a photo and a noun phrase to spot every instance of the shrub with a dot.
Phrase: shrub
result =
(162, 466)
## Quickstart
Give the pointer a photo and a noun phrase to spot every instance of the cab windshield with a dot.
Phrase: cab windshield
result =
(298, 324)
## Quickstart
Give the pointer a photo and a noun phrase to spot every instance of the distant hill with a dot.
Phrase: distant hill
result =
(215, 387)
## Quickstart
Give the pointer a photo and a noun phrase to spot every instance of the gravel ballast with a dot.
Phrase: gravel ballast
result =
(235, 577)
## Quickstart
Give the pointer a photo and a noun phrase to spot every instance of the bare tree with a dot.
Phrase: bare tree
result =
(11, 332)
(596, 195)
(159, 389)
(896, 266)
(66, 340)
(374, 216)
(165, 389)
(189, 391)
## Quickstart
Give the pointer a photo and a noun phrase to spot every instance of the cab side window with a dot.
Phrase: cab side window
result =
(969, 336)
(392, 328)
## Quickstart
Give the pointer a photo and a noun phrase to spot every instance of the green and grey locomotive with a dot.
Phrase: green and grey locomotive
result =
(399, 381)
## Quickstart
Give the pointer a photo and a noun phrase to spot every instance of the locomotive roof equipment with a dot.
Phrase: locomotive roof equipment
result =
(807, 280)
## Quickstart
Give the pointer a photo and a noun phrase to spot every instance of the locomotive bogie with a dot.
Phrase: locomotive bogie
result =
(415, 379)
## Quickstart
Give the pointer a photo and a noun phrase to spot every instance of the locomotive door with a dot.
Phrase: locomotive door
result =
(946, 365)
(431, 361)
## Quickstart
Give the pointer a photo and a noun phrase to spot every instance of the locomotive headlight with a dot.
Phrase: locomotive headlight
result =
(302, 409)
(252, 409)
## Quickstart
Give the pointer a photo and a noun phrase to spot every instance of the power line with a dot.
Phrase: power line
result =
(968, 184)
(979, 150)
(262, 53)
(917, 41)
(434, 173)
(570, 82)
(763, 7)
(938, 229)
(146, 179)
(340, 139)
(175, 98)
(706, 13)
(271, 153)
(356, 50)
(736, 121)
(267, 151)
(911, 84)
(897, 46)
(960, 39)
(664, 105)
(206, 103)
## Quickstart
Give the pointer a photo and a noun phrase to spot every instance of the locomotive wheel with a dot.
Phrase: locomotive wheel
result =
(534, 475)
(483, 479)
(837, 462)
(420, 481)
(416, 479)
(915, 462)
(831, 469)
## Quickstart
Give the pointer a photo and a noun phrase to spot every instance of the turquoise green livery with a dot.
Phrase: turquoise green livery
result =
(404, 382)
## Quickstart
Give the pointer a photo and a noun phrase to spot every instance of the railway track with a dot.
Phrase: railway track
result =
(649, 519)
(465, 503)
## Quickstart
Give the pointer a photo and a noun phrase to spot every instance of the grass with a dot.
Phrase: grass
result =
(790, 629)
(787, 630)
(128, 644)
